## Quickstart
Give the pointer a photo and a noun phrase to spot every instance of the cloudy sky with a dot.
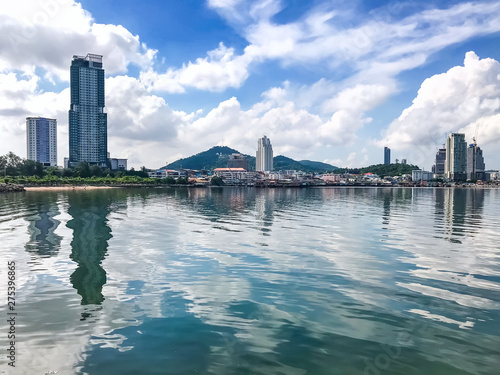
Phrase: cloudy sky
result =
(327, 80)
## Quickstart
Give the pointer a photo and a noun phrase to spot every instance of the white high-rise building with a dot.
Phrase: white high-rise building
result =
(41, 139)
(264, 160)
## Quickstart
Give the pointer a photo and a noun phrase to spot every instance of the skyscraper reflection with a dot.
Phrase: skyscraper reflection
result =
(43, 240)
(462, 210)
(91, 233)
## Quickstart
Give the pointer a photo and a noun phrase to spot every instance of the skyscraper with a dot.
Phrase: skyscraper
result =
(41, 140)
(455, 167)
(88, 124)
(387, 155)
(438, 167)
(475, 163)
(264, 160)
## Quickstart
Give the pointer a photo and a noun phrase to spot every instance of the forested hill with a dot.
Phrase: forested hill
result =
(217, 157)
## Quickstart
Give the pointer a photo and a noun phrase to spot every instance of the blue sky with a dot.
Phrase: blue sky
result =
(326, 80)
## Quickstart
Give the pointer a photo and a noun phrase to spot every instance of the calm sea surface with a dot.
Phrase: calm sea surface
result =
(252, 281)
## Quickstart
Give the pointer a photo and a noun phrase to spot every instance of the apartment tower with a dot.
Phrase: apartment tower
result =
(387, 155)
(41, 140)
(88, 123)
(264, 160)
(455, 167)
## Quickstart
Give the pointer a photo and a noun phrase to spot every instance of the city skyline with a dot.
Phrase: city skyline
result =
(316, 77)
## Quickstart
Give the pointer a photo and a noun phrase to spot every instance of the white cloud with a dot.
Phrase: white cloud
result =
(464, 99)
(47, 33)
(216, 72)
(449, 102)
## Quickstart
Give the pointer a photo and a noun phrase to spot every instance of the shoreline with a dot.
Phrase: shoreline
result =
(68, 187)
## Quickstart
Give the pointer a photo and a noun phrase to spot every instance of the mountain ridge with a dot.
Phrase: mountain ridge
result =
(217, 156)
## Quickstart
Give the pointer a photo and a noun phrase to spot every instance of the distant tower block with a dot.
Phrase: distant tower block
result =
(264, 159)
(387, 155)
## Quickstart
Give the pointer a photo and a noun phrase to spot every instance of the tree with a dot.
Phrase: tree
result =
(53, 171)
(67, 172)
(82, 170)
(96, 171)
(11, 164)
(217, 181)
(31, 168)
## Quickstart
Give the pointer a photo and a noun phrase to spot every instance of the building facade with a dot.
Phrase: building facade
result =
(264, 159)
(438, 167)
(41, 140)
(387, 155)
(88, 124)
(420, 175)
(475, 163)
(237, 161)
(455, 167)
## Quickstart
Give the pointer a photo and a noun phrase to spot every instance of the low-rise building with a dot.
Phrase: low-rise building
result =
(331, 178)
(420, 175)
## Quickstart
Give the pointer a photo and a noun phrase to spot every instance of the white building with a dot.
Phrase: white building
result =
(41, 139)
(420, 175)
(264, 160)
(118, 164)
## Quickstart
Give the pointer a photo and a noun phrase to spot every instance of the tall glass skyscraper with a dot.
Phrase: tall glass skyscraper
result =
(264, 160)
(455, 167)
(41, 140)
(88, 124)
(387, 155)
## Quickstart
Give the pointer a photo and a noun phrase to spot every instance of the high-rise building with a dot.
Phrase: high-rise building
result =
(237, 161)
(41, 140)
(455, 167)
(475, 163)
(438, 167)
(264, 160)
(88, 124)
(387, 155)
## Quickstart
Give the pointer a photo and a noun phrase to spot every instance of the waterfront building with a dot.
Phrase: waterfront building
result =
(234, 174)
(264, 159)
(331, 178)
(118, 164)
(420, 175)
(88, 123)
(41, 140)
(387, 155)
(492, 176)
(237, 161)
(455, 167)
(438, 167)
(475, 163)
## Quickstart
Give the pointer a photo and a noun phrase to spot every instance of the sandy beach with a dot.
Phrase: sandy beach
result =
(69, 187)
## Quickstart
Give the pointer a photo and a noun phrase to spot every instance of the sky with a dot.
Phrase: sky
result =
(326, 80)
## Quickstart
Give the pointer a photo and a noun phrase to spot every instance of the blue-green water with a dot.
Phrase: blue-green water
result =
(248, 281)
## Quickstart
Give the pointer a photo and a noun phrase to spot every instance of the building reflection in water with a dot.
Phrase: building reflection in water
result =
(89, 211)
(461, 209)
(43, 240)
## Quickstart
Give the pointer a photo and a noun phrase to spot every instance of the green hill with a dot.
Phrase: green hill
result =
(382, 170)
(318, 165)
(217, 157)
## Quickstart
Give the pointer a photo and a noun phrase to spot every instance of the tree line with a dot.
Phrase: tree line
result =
(14, 169)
